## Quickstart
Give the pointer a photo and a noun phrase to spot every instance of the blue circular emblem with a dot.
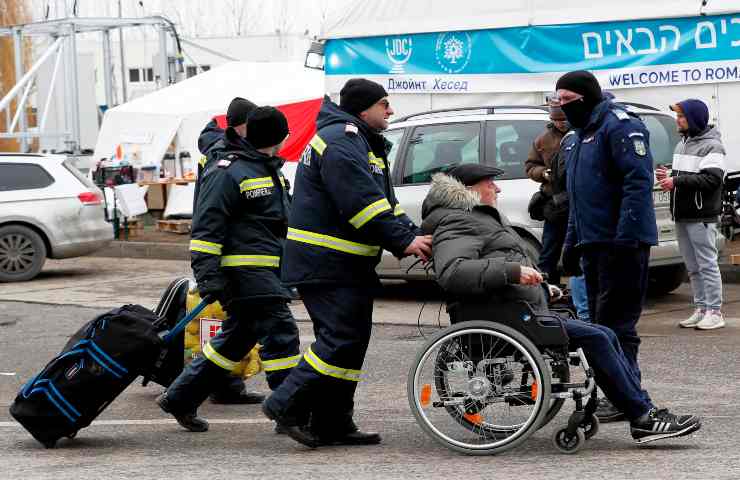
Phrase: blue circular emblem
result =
(453, 50)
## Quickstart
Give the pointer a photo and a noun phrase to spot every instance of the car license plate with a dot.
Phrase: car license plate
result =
(661, 198)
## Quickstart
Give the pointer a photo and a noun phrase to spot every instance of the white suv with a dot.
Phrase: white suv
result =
(47, 209)
(428, 142)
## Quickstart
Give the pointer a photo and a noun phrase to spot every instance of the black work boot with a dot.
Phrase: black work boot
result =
(290, 427)
(350, 435)
(189, 421)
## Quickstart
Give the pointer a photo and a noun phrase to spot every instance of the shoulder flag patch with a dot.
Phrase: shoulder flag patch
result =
(223, 163)
(351, 128)
(621, 114)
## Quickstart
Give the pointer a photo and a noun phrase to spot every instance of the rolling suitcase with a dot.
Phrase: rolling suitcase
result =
(171, 308)
(97, 364)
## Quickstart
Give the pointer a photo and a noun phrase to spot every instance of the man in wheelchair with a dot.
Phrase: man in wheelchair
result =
(478, 255)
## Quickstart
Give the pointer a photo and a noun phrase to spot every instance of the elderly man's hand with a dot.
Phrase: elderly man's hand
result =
(529, 276)
(667, 184)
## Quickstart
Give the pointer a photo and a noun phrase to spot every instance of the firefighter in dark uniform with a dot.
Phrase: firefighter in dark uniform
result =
(211, 139)
(612, 218)
(211, 144)
(238, 234)
(344, 213)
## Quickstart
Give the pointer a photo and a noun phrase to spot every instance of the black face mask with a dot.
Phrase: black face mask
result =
(577, 113)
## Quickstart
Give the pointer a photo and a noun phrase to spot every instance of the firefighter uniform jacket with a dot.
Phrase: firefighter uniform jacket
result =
(343, 211)
(240, 223)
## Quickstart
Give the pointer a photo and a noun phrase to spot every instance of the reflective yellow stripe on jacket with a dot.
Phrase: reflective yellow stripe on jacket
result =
(281, 363)
(255, 183)
(318, 144)
(332, 243)
(205, 247)
(330, 370)
(211, 354)
(370, 212)
(250, 261)
(397, 210)
(371, 158)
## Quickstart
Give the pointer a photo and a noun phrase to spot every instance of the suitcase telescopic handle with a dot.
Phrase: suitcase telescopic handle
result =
(167, 336)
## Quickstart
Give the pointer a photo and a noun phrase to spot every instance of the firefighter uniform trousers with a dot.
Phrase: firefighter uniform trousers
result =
(324, 382)
(247, 321)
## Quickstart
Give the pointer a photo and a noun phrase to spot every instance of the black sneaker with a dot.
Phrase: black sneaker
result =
(606, 412)
(660, 424)
(189, 421)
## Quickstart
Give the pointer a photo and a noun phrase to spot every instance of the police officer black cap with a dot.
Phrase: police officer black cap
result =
(582, 82)
(238, 111)
(471, 173)
(267, 127)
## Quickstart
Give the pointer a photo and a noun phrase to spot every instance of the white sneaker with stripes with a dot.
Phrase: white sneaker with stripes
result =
(695, 318)
(659, 424)
(713, 319)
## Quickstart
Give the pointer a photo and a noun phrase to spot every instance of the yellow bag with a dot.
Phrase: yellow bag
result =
(211, 318)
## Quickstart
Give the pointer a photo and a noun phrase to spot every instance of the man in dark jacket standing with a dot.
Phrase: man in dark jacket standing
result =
(695, 184)
(344, 213)
(478, 255)
(237, 241)
(612, 218)
(542, 166)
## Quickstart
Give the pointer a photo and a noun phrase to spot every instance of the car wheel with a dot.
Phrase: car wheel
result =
(663, 280)
(22, 253)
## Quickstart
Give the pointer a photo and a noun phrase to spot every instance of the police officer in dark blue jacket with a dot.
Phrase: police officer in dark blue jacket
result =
(238, 234)
(344, 213)
(612, 218)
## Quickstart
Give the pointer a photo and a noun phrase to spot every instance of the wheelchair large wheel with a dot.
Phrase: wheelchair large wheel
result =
(479, 388)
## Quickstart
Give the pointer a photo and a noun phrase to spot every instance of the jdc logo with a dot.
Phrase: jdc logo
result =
(399, 51)
(453, 50)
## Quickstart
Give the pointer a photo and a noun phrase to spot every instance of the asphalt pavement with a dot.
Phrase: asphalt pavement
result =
(685, 370)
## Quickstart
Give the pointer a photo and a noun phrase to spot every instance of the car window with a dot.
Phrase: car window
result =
(663, 137)
(508, 143)
(23, 176)
(395, 137)
(437, 148)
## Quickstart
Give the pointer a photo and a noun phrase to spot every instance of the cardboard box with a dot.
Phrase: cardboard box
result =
(156, 197)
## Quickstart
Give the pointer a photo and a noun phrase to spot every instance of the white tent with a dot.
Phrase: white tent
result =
(362, 18)
(144, 128)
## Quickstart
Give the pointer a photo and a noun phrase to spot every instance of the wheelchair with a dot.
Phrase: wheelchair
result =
(499, 373)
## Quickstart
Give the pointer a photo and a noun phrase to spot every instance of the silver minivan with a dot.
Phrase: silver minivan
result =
(429, 142)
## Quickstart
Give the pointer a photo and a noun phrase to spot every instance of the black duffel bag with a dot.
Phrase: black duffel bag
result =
(536, 207)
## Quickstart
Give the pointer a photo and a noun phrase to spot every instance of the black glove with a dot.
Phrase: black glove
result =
(572, 261)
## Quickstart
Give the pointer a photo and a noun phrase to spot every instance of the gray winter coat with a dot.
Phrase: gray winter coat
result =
(475, 250)
(697, 173)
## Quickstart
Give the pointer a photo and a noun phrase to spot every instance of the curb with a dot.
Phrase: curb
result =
(153, 250)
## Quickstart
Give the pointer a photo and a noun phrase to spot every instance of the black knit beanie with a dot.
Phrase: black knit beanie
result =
(238, 111)
(359, 94)
(267, 127)
(584, 83)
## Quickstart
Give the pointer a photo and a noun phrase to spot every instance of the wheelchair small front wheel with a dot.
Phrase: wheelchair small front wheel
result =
(590, 426)
(569, 443)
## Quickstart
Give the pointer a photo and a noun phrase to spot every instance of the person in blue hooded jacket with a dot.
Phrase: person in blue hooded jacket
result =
(695, 184)
(612, 218)
(343, 215)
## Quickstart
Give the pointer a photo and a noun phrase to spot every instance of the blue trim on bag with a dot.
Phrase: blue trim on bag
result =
(100, 361)
(103, 364)
(107, 357)
(54, 402)
(61, 397)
